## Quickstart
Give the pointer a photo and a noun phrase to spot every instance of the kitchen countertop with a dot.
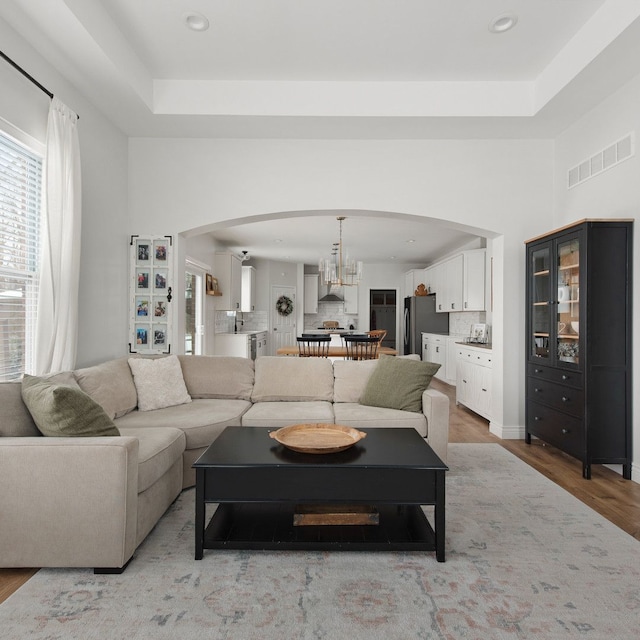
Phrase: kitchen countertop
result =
(240, 333)
(477, 345)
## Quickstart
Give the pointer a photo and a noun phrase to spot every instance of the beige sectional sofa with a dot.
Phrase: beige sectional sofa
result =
(90, 501)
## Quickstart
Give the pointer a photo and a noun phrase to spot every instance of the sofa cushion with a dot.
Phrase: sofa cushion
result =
(159, 382)
(353, 414)
(201, 420)
(110, 384)
(64, 410)
(158, 450)
(350, 378)
(282, 414)
(397, 383)
(286, 379)
(218, 376)
(15, 419)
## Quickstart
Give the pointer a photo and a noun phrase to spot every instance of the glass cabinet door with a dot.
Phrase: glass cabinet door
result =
(541, 297)
(568, 309)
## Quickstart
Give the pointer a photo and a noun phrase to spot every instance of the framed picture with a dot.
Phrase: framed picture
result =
(159, 309)
(212, 285)
(150, 294)
(160, 279)
(143, 251)
(479, 332)
(142, 336)
(142, 279)
(160, 251)
(142, 307)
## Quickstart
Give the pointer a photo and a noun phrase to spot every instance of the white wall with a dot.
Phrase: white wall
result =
(105, 230)
(502, 186)
(612, 194)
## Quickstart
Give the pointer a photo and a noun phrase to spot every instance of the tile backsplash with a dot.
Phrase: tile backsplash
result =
(460, 323)
(225, 321)
(330, 311)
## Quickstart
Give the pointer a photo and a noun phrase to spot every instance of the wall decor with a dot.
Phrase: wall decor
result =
(150, 294)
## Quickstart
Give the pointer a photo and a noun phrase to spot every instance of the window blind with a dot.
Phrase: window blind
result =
(20, 197)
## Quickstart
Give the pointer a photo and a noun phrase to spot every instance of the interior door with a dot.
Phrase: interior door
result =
(283, 327)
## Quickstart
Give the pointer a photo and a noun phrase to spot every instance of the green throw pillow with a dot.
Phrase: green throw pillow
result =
(397, 383)
(62, 410)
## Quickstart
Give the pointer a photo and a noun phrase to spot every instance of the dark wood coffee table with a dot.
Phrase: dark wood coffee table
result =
(259, 485)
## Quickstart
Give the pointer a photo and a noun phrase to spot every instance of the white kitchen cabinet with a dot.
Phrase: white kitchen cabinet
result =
(474, 379)
(261, 344)
(434, 349)
(412, 279)
(311, 293)
(452, 358)
(248, 291)
(451, 285)
(228, 271)
(350, 299)
(474, 280)
(432, 278)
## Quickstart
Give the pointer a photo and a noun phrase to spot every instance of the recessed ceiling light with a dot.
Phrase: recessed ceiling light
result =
(196, 21)
(410, 241)
(503, 23)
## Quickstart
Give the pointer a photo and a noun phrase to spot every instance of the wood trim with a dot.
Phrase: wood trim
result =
(576, 223)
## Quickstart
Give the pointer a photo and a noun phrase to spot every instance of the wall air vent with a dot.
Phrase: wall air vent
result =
(614, 154)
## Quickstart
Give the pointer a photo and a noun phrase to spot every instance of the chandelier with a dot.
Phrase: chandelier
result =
(338, 269)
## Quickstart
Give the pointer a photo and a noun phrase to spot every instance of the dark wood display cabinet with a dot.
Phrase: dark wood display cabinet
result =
(579, 394)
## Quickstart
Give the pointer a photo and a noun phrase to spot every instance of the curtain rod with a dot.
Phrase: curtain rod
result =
(29, 77)
(17, 67)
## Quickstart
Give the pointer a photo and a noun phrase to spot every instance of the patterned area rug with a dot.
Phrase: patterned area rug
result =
(524, 560)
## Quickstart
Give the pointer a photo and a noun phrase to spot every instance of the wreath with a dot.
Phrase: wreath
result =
(284, 305)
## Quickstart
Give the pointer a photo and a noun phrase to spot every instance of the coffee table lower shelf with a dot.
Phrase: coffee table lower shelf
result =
(269, 526)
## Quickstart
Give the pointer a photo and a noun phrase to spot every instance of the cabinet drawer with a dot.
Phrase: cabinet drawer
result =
(476, 357)
(558, 396)
(556, 428)
(561, 376)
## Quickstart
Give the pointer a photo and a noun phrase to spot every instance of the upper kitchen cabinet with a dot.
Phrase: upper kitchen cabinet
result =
(350, 300)
(311, 293)
(412, 279)
(474, 278)
(248, 292)
(228, 271)
(579, 327)
(449, 296)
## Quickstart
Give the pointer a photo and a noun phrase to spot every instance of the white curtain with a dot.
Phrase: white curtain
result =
(57, 315)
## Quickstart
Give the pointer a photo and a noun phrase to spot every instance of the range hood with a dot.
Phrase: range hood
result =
(330, 297)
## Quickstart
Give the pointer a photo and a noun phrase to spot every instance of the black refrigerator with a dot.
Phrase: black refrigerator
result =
(420, 316)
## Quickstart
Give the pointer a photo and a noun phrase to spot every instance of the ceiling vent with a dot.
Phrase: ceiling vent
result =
(614, 154)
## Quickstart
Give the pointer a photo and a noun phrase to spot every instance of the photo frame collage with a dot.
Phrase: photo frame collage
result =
(151, 295)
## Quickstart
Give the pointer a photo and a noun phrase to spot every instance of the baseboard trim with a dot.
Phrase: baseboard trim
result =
(507, 432)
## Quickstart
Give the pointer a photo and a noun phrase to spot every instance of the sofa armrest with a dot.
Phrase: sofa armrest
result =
(435, 406)
(68, 502)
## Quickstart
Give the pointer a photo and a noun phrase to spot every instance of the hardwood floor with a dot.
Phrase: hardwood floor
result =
(607, 492)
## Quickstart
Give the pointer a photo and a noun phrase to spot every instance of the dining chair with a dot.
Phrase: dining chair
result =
(313, 346)
(362, 347)
(378, 333)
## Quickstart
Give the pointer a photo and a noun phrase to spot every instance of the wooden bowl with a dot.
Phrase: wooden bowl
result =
(317, 438)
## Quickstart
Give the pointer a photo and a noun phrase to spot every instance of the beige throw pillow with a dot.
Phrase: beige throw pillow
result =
(64, 410)
(159, 382)
(397, 383)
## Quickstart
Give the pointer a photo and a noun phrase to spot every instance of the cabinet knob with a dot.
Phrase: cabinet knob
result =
(565, 431)
(536, 390)
(565, 377)
(464, 381)
(537, 370)
(536, 418)
(484, 389)
(565, 399)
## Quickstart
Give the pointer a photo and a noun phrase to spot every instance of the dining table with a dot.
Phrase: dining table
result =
(334, 352)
